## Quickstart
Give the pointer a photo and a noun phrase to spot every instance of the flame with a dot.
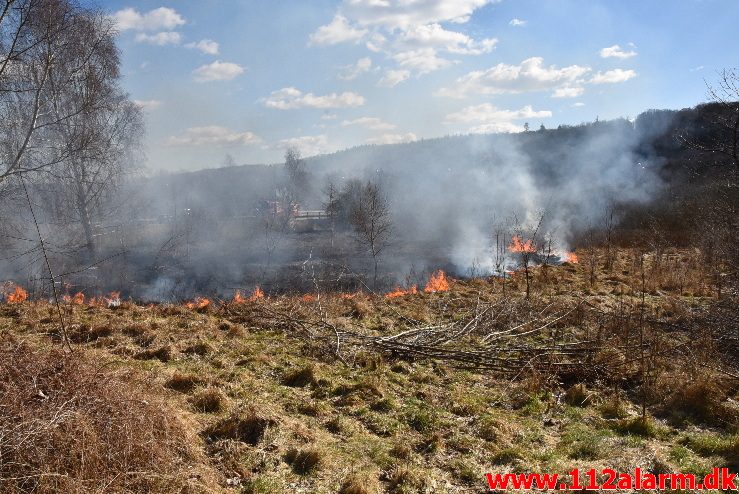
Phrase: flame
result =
(349, 296)
(77, 299)
(198, 303)
(518, 246)
(308, 297)
(571, 257)
(15, 294)
(399, 292)
(238, 298)
(113, 299)
(257, 294)
(437, 282)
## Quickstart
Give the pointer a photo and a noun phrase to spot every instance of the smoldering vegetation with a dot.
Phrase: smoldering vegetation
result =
(453, 203)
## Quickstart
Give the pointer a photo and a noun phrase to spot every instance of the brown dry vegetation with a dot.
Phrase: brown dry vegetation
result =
(423, 393)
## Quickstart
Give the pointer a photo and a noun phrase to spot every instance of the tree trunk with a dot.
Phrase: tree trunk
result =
(374, 279)
(86, 226)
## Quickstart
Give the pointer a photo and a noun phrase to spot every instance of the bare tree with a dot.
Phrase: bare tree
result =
(370, 217)
(717, 141)
(34, 43)
(102, 138)
(722, 138)
(526, 241)
(296, 185)
(228, 161)
(501, 240)
(331, 206)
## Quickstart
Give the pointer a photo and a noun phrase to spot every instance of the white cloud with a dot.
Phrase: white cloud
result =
(217, 71)
(490, 114)
(517, 22)
(568, 92)
(496, 128)
(615, 51)
(392, 78)
(613, 76)
(435, 36)
(308, 145)
(579, 104)
(351, 72)
(337, 31)
(213, 135)
(530, 75)
(489, 119)
(371, 123)
(290, 98)
(148, 105)
(207, 46)
(392, 138)
(159, 19)
(405, 13)
(408, 32)
(423, 60)
(160, 39)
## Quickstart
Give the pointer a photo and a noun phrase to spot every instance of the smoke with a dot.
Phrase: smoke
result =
(203, 232)
(447, 194)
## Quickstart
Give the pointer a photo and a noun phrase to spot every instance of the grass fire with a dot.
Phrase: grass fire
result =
(414, 254)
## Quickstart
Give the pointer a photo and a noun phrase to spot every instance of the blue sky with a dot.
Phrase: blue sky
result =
(248, 78)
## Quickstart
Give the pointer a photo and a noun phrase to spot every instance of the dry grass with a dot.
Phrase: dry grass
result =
(304, 461)
(68, 425)
(248, 427)
(276, 406)
(208, 400)
(184, 383)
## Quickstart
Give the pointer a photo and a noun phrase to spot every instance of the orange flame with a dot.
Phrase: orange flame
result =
(16, 294)
(571, 257)
(238, 298)
(437, 282)
(113, 299)
(77, 299)
(257, 294)
(198, 303)
(399, 292)
(308, 297)
(518, 246)
(349, 296)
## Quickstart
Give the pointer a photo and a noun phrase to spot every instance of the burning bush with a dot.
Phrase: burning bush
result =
(66, 426)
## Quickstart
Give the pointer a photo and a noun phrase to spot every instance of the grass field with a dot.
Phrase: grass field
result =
(630, 366)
